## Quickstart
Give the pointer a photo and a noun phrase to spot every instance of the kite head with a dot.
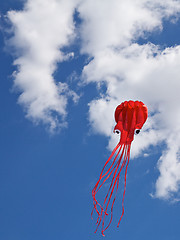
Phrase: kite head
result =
(130, 116)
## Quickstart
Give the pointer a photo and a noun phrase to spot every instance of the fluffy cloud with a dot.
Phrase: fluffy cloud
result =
(117, 23)
(109, 33)
(169, 167)
(40, 31)
(138, 72)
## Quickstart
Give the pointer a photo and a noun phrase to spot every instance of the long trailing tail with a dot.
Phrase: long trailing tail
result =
(118, 159)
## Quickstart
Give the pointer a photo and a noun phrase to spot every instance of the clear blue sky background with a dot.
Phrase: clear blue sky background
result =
(46, 181)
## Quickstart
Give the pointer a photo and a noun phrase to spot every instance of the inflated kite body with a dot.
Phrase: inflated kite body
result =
(130, 116)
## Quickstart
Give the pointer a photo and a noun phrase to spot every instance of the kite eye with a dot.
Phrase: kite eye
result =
(117, 131)
(137, 131)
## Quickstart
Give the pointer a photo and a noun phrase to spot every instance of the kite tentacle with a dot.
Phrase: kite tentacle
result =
(116, 183)
(128, 155)
(116, 166)
(115, 169)
(110, 169)
(94, 191)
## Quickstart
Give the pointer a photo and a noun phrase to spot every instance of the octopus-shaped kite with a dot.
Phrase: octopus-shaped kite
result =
(130, 116)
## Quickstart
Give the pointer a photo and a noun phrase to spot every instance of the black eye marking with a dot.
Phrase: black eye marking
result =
(117, 131)
(137, 131)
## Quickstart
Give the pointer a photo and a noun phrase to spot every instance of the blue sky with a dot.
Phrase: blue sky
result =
(55, 138)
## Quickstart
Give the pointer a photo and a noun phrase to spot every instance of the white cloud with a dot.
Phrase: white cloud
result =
(137, 72)
(169, 167)
(117, 23)
(40, 31)
(109, 31)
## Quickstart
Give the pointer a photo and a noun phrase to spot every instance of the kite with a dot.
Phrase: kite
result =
(130, 117)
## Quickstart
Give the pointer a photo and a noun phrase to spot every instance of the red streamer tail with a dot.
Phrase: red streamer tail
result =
(118, 160)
